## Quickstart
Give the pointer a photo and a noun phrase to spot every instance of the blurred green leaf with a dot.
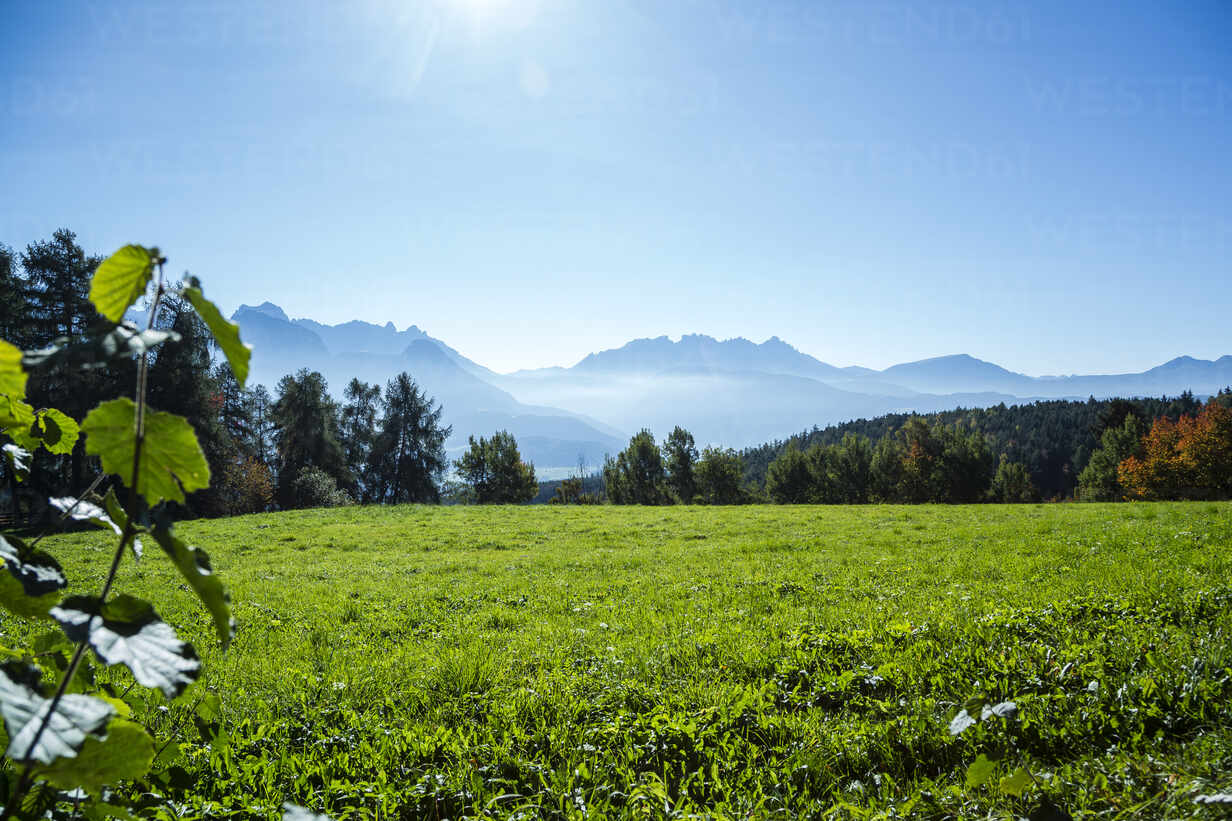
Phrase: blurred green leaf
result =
(294, 812)
(171, 457)
(226, 333)
(105, 811)
(209, 708)
(980, 771)
(56, 431)
(1214, 798)
(12, 377)
(116, 511)
(120, 279)
(194, 565)
(1016, 782)
(1006, 710)
(15, 419)
(80, 510)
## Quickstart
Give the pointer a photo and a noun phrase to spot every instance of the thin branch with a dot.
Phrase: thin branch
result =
(97, 481)
(23, 783)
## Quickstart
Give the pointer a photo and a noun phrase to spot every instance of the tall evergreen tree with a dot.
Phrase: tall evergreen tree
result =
(306, 421)
(56, 284)
(232, 409)
(261, 440)
(1012, 483)
(14, 319)
(57, 280)
(885, 471)
(852, 465)
(358, 430)
(680, 453)
(409, 453)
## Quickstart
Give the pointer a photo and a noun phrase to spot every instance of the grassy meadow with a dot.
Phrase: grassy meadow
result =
(429, 662)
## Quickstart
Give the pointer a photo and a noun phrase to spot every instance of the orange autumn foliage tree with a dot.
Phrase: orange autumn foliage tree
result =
(1190, 458)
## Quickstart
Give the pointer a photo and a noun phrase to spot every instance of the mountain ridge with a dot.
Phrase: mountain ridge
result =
(733, 392)
(375, 353)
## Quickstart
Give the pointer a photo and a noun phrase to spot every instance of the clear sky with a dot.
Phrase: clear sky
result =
(1047, 185)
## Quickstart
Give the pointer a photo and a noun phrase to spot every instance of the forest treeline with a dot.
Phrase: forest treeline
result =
(1048, 450)
(1178, 448)
(299, 447)
(296, 447)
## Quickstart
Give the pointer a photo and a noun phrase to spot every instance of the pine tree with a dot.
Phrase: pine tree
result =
(306, 436)
(357, 431)
(408, 456)
(680, 452)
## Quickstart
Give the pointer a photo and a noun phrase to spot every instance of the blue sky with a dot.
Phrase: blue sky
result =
(532, 180)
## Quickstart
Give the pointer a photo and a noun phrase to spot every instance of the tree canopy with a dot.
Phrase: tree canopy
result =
(636, 475)
(495, 472)
(408, 455)
(307, 433)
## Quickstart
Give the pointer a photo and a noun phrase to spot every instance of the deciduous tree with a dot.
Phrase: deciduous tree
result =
(719, 474)
(1012, 483)
(789, 479)
(1190, 458)
(494, 469)
(636, 475)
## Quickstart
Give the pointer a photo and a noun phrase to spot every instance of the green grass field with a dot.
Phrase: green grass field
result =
(419, 662)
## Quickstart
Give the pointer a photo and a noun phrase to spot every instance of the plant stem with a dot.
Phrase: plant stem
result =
(23, 783)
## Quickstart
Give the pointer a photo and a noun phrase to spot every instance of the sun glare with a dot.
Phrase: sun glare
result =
(484, 10)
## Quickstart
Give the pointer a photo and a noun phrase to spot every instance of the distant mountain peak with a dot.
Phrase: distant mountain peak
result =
(959, 359)
(950, 357)
(427, 349)
(268, 308)
(702, 352)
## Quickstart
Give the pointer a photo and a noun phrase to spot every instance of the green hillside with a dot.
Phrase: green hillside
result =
(649, 662)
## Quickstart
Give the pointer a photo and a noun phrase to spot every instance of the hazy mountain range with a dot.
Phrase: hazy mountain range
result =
(732, 392)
